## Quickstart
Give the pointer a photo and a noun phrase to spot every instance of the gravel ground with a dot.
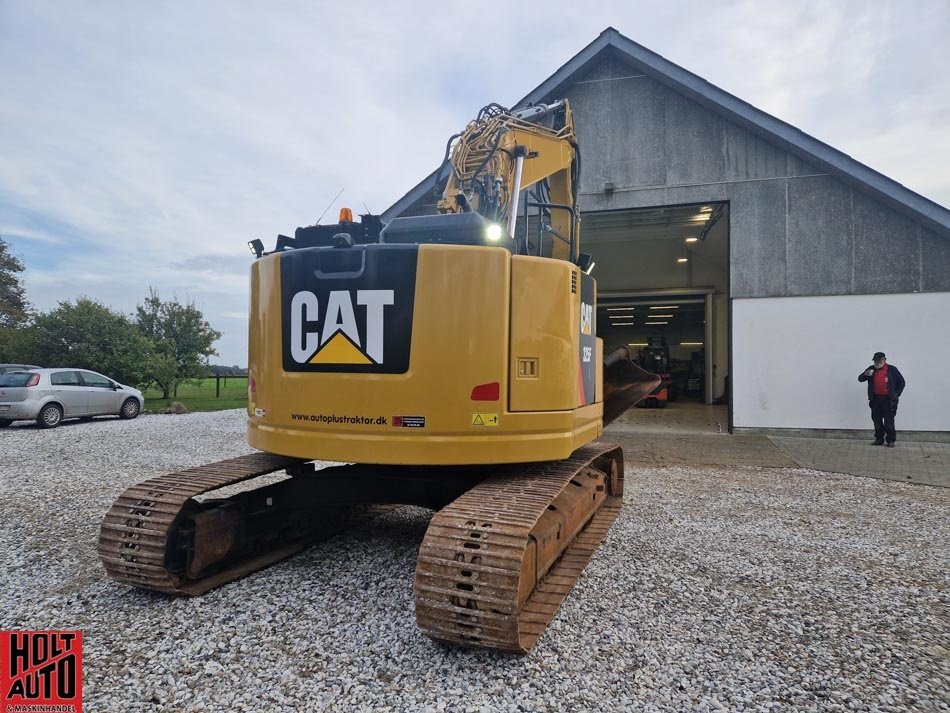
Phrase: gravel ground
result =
(737, 589)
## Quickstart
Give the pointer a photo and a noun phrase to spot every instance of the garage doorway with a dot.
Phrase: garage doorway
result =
(663, 286)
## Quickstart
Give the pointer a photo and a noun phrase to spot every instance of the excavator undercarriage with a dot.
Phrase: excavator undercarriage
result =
(503, 550)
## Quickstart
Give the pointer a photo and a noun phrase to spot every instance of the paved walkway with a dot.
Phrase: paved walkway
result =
(908, 462)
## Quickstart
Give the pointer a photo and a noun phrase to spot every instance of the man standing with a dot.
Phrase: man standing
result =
(885, 385)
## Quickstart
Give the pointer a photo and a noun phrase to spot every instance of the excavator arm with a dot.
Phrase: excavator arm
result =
(502, 153)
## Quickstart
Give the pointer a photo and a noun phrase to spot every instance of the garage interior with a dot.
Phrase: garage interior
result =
(663, 280)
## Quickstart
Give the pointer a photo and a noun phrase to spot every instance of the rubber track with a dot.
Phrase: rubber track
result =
(135, 532)
(470, 597)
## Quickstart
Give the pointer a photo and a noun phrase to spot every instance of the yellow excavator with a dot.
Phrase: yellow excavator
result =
(452, 361)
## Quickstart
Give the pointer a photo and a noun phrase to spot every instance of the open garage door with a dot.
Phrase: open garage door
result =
(667, 331)
(663, 285)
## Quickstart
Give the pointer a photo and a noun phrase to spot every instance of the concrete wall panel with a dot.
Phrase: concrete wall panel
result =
(695, 140)
(935, 260)
(680, 195)
(757, 223)
(637, 138)
(609, 68)
(886, 249)
(749, 156)
(592, 121)
(795, 166)
(819, 236)
(622, 200)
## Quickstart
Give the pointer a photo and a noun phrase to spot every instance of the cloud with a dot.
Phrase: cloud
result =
(16, 233)
(146, 144)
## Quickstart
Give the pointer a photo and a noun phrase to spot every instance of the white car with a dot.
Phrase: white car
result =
(50, 395)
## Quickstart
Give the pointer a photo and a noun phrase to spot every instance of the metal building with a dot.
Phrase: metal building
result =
(753, 250)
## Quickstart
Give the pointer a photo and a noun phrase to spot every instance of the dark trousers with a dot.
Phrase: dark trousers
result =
(882, 414)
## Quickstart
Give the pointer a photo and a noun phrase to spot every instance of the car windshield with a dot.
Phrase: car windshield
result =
(17, 378)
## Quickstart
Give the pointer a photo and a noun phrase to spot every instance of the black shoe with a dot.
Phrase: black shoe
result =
(890, 444)
(878, 443)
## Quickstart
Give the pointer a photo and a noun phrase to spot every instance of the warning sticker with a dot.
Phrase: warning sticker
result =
(484, 419)
(409, 421)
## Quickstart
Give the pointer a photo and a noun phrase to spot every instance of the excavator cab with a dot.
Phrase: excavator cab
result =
(447, 229)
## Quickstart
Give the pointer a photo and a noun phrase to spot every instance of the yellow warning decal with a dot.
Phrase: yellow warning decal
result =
(484, 419)
(340, 350)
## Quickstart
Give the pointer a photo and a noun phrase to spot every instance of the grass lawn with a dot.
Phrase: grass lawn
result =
(200, 397)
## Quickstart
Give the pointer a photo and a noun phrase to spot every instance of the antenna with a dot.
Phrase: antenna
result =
(328, 206)
(367, 208)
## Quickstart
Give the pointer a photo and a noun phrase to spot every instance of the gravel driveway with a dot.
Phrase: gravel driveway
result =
(740, 589)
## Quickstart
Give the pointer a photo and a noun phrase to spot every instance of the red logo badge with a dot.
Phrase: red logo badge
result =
(41, 670)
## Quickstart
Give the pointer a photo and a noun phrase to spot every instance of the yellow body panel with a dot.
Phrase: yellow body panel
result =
(544, 318)
(460, 339)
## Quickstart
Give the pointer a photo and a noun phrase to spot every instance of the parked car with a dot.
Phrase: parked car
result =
(7, 368)
(50, 395)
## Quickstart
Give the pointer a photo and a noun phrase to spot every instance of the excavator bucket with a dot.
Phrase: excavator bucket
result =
(625, 383)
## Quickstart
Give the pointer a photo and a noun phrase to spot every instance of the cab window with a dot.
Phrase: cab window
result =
(96, 380)
(64, 378)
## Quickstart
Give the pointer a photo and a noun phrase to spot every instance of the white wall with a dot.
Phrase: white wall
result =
(797, 359)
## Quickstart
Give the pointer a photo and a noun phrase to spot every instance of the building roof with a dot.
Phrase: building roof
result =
(913, 205)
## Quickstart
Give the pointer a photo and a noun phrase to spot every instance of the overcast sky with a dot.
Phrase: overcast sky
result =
(146, 143)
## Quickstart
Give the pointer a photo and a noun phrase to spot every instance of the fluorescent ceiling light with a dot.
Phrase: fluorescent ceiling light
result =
(667, 307)
(657, 322)
(706, 209)
(682, 259)
(691, 344)
(621, 324)
(658, 316)
(637, 344)
(692, 240)
(618, 309)
(701, 218)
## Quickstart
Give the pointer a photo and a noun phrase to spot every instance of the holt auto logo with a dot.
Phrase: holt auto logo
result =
(41, 671)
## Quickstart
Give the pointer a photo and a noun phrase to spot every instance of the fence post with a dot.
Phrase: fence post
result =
(217, 386)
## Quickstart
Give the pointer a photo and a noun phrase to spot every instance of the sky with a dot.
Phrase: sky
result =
(143, 144)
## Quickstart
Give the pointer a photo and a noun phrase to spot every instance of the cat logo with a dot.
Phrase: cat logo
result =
(335, 337)
(347, 311)
(587, 318)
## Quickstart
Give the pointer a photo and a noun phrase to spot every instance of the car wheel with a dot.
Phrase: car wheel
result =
(50, 416)
(130, 409)
(5, 422)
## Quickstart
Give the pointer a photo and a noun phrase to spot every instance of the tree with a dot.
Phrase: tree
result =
(14, 309)
(88, 335)
(182, 337)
